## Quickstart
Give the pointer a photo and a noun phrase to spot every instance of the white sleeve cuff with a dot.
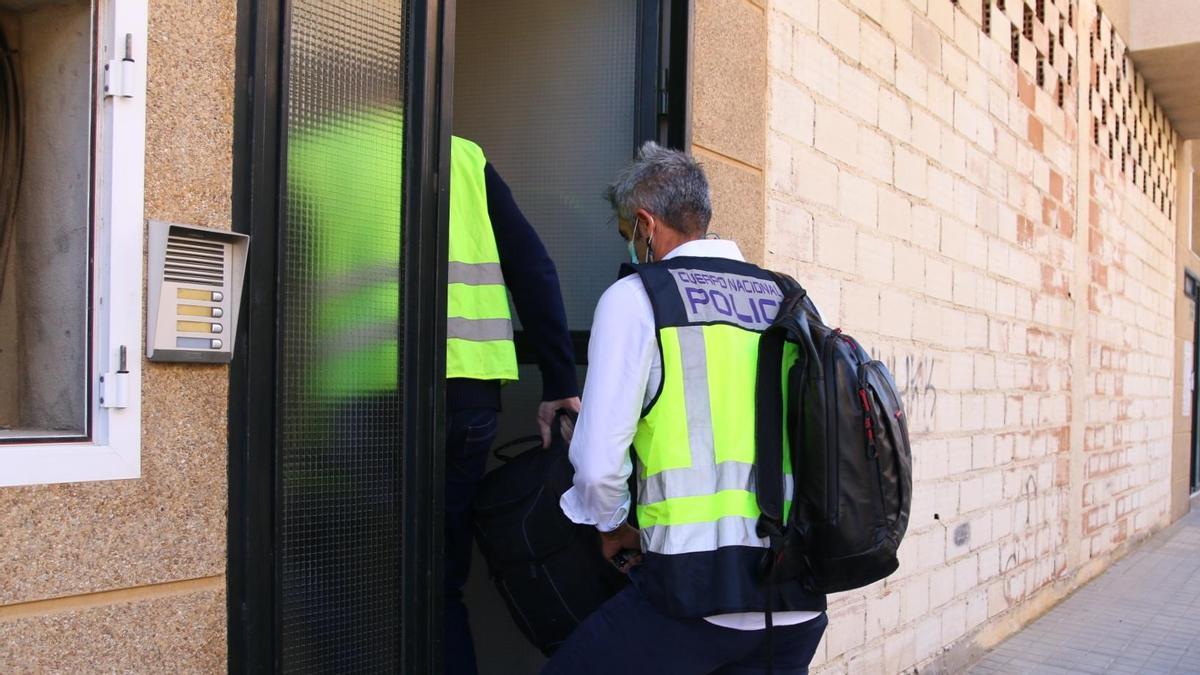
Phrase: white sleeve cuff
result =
(572, 507)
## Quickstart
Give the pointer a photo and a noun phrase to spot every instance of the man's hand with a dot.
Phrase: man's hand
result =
(625, 537)
(545, 417)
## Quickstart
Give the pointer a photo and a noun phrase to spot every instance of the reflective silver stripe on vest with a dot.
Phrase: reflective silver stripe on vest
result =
(697, 481)
(694, 363)
(362, 336)
(479, 330)
(701, 537)
(704, 476)
(477, 274)
(374, 274)
(364, 276)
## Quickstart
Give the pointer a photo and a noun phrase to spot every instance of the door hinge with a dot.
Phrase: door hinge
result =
(119, 74)
(114, 386)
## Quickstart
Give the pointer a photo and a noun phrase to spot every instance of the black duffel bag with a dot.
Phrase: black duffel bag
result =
(549, 570)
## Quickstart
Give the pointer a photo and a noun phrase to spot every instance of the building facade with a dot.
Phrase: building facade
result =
(987, 193)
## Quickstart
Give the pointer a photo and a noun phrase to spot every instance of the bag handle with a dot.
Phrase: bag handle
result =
(503, 457)
(556, 427)
(555, 436)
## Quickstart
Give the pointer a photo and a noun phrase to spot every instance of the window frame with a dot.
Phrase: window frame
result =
(1193, 217)
(112, 449)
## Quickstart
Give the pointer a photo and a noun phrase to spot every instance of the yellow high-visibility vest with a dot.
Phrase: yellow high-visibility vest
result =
(697, 505)
(345, 180)
(479, 333)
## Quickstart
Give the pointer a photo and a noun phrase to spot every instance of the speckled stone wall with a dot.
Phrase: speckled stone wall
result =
(168, 526)
(729, 119)
(172, 634)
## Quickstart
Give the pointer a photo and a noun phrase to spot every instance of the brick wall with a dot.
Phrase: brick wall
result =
(939, 176)
(1131, 295)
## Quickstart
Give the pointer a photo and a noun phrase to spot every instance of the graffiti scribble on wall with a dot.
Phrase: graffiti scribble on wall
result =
(914, 380)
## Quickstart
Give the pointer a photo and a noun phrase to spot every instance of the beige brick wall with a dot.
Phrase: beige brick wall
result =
(950, 205)
(1131, 299)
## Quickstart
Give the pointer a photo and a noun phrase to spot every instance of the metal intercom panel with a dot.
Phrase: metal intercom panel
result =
(195, 280)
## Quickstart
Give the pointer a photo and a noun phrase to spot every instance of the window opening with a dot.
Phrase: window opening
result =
(46, 119)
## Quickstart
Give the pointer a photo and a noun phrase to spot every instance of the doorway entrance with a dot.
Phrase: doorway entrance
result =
(559, 95)
(343, 115)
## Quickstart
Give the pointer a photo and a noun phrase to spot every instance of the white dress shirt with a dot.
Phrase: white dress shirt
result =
(623, 373)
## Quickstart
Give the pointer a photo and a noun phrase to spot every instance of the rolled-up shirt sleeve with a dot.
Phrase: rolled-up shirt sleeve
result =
(621, 353)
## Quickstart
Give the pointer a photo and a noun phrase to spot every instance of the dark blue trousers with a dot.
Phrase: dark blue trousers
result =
(628, 636)
(469, 436)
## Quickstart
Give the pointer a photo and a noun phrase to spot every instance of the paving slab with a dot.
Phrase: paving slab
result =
(1142, 615)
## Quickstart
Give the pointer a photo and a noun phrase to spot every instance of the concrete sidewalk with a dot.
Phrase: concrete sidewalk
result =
(1140, 616)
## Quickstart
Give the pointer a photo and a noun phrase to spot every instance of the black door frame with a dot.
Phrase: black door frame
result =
(250, 597)
(253, 572)
(253, 579)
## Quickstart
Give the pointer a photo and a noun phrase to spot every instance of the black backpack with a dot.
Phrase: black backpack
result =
(849, 448)
(549, 570)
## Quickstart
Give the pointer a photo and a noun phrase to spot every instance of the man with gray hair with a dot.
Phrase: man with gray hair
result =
(672, 363)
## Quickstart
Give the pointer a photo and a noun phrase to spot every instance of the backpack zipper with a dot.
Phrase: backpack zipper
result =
(833, 489)
(873, 449)
(886, 428)
(868, 424)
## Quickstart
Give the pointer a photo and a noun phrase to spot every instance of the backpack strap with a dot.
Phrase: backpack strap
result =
(768, 418)
(768, 432)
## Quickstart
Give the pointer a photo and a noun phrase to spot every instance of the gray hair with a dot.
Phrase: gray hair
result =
(669, 184)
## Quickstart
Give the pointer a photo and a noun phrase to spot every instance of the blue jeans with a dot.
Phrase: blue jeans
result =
(628, 636)
(469, 436)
